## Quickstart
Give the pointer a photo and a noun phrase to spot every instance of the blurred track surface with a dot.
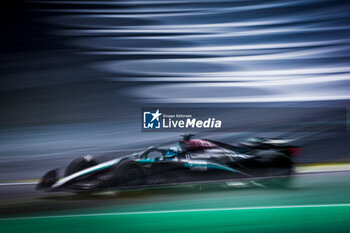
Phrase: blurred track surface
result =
(318, 202)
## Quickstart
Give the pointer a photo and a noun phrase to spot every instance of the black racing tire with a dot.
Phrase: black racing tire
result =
(276, 160)
(268, 155)
(79, 164)
(128, 173)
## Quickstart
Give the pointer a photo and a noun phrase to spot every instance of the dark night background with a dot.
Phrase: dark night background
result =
(75, 74)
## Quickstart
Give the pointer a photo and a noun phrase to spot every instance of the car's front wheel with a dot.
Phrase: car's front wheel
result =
(79, 164)
(129, 173)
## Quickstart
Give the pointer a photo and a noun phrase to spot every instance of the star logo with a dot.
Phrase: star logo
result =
(156, 115)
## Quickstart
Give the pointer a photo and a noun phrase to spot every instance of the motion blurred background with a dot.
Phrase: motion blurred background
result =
(75, 75)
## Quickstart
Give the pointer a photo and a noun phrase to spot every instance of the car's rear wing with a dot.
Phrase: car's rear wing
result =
(284, 145)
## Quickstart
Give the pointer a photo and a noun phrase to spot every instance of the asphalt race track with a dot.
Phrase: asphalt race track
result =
(317, 202)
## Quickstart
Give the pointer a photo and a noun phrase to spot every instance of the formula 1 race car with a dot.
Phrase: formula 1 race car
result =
(193, 160)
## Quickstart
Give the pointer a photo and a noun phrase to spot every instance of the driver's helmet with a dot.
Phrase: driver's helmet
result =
(170, 154)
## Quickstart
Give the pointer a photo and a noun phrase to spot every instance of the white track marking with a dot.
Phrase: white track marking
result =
(179, 211)
(323, 168)
(301, 170)
(18, 183)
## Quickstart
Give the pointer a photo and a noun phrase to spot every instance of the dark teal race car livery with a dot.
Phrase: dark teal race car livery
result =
(193, 160)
